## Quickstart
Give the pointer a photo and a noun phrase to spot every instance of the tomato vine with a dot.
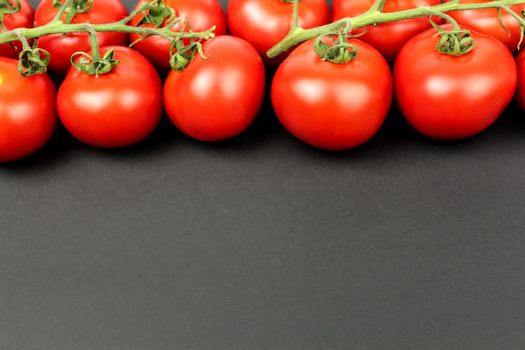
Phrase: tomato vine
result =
(98, 65)
(163, 19)
(375, 16)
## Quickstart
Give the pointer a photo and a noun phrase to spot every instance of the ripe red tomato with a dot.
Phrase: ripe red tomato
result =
(486, 21)
(61, 47)
(202, 15)
(263, 23)
(332, 106)
(22, 19)
(452, 97)
(387, 38)
(217, 98)
(116, 109)
(27, 111)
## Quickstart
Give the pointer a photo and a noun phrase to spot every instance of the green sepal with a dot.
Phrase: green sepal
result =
(181, 55)
(455, 43)
(157, 14)
(33, 61)
(79, 6)
(93, 66)
(340, 52)
(76, 6)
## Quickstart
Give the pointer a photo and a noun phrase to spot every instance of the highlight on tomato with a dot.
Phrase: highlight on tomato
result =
(218, 96)
(335, 102)
(62, 46)
(457, 91)
(26, 123)
(387, 38)
(200, 14)
(13, 18)
(502, 26)
(263, 23)
(115, 109)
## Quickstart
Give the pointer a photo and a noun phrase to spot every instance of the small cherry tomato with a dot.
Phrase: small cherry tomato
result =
(27, 111)
(450, 97)
(486, 21)
(116, 109)
(61, 47)
(387, 38)
(201, 14)
(332, 106)
(263, 23)
(217, 97)
(21, 19)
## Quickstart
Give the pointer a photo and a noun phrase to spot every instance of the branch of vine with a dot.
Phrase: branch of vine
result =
(375, 16)
(58, 26)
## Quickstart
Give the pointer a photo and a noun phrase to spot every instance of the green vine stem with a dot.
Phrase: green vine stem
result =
(58, 26)
(376, 16)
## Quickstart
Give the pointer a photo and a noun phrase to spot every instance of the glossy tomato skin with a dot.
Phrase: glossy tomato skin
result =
(453, 97)
(217, 98)
(387, 38)
(26, 122)
(486, 21)
(202, 15)
(21, 19)
(332, 106)
(113, 110)
(61, 47)
(263, 23)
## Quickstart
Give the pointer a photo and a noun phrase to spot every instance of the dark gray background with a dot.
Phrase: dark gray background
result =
(264, 243)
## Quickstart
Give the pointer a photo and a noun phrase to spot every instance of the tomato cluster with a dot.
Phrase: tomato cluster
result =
(333, 106)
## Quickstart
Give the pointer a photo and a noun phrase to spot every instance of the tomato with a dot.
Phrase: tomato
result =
(452, 97)
(202, 15)
(22, 19)
(116, 109)
(27, 111)
(486, 21)
(388, 38)
(217, 97)
(61, 47)
(263, 23)
(332, 106)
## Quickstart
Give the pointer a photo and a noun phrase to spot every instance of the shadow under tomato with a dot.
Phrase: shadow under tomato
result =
(513, 119)
(58, 148)
(160, 140)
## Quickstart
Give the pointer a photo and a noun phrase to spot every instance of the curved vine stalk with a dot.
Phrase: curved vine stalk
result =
(61, 24)
(57, 26)
(375, 15)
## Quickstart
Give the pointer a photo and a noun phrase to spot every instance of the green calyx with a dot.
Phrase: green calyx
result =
(73, 7)
(182, 52)
(340, 52)
(93, 65)
(33, 61)
(455, 42)
(157, 14)
(79, 6)
(289, 1)
(182, 55)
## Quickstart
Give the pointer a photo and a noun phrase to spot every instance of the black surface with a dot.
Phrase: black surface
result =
(264, 243)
